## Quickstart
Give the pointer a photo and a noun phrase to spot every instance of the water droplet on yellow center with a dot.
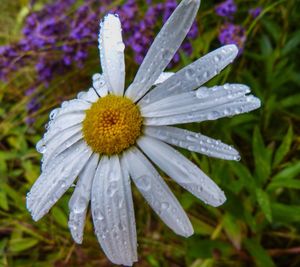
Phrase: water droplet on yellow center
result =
(112, 124)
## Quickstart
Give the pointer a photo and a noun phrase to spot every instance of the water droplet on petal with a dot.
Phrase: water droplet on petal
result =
(144, 182)
(41, 147)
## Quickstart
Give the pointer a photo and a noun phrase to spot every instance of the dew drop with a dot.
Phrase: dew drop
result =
(112, 188)
(144, 182)
(190, 74)
(81, 95)
(53, 113)
(41, 147)
(80, 205)
(164, 205)
(217, 58)
(205, 75)
(120, 47)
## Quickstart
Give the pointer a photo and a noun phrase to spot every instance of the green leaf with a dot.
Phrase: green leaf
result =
(290, 101)
(21, 244)
(284, 147)
(289, 172)
(3, 200)
(59, 216)
(285, 213)
(233, 230)
(244, 175)
(292, 43)
(261, 157)
(264, 203)
(289, 183)
(258, 253)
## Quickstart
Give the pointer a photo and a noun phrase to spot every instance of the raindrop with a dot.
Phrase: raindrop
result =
(166, 54)
(213, 115)
(190, 74)
(226, 86)
(144, 182)
(164, 205)
(217, 58)
(80, 205)
(205, 75)
(81, 95)
(202, 92)
(112, 188)
(120, 47)
(41, 147)
(65, 104)
(53, 113)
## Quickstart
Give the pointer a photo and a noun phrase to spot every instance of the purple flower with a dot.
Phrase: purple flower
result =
(56, 39)
(226, 9)
(233, 34)
(255, 12)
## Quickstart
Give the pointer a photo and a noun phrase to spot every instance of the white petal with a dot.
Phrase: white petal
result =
(193, 75)
(70, 122)
(157, 193)
(202, 99)
(56, 180)
(53, 149)
(89, 96)
(163, 77)
(183, 171)
(100, 85)
(238, 106)
(112, 54)
(80, 199)
(192, 141)
(113, 214)
(163, 48)
(70, 107)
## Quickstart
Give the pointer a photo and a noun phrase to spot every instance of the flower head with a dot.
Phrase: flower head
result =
(107, 135)
(233, 34)
(255, 12)
(226, 8)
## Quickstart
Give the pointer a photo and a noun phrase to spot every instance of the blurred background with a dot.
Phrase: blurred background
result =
(48, 53)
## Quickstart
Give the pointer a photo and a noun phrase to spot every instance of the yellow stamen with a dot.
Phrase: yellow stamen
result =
(112, 124)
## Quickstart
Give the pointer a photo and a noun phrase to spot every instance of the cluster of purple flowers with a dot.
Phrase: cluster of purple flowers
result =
(226, 9)
(59, 36)
(139, 34)
(229, 32)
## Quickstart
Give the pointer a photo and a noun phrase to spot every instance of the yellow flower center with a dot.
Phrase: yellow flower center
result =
(112, 124)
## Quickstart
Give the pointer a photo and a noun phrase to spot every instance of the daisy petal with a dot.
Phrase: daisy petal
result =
(193, 75)
(70, 122)
(163, 48)
(183, 171)
(113, 214)
(89, 96)
(64, 141)
(163, 77)
(70, 107)
(79, 201)
(192, 141)
(202, 99)
(157, 193)
(56, 180)
(112, 54)
(238, 106)
(100, 85)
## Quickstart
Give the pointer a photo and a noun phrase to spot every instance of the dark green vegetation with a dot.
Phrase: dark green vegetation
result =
(259, 225)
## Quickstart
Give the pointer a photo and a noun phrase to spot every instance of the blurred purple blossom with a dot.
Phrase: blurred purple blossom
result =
(233, 34)
(226, 9)
(255, 12)
(59, 36)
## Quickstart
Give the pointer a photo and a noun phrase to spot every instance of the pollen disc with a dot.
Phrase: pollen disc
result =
(112, 124)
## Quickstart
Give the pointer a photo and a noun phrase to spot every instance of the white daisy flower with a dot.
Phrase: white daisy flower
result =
(107, 135)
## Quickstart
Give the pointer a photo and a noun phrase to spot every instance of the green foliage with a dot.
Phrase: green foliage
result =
(259, 225)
